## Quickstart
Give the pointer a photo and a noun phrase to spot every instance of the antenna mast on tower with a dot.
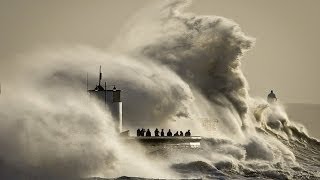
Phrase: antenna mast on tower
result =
(100, 76)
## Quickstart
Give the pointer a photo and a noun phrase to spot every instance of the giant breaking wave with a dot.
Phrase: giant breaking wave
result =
(177, 69)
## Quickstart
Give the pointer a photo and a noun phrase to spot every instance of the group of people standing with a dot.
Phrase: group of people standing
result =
(143, 132)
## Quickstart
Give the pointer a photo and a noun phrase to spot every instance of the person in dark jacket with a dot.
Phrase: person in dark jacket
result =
(176, 134)
(148, 133)
(138, 132)
(142, 132)
(169, 133)
(156, 132)
(188, 133)
(162, 132)
(181, 133)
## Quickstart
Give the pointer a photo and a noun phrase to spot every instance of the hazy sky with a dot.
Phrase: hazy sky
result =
(285, 57)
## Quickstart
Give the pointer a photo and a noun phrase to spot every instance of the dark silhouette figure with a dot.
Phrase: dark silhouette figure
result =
(169, 133)
(156, 132)
(148, 133)
(181, 133)
(272, 97)
(176, 134)
(142, 132)
(138, 132)
(188, 133)
(162, 132)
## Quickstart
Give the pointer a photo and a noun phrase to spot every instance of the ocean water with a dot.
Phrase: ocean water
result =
(253, 165)
(305, 149)
(177, 70)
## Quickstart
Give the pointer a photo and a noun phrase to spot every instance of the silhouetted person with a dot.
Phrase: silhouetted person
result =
(188, 133)
(148, 133)
(169, 133)
(156, 132)
(142, 132)
(181, 133)
(162, 132)
(138, 132)
(272, 97)
(176, 134)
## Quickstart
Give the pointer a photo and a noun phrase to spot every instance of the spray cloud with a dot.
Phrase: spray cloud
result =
(175, 70)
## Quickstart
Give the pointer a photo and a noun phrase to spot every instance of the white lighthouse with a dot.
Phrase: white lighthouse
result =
(111, 99)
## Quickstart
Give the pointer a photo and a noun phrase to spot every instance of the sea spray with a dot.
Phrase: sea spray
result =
(180, 69)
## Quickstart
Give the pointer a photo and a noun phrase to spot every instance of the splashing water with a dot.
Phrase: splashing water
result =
(175, 68)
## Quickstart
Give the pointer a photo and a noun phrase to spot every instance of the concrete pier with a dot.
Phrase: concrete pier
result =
(179, 141)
